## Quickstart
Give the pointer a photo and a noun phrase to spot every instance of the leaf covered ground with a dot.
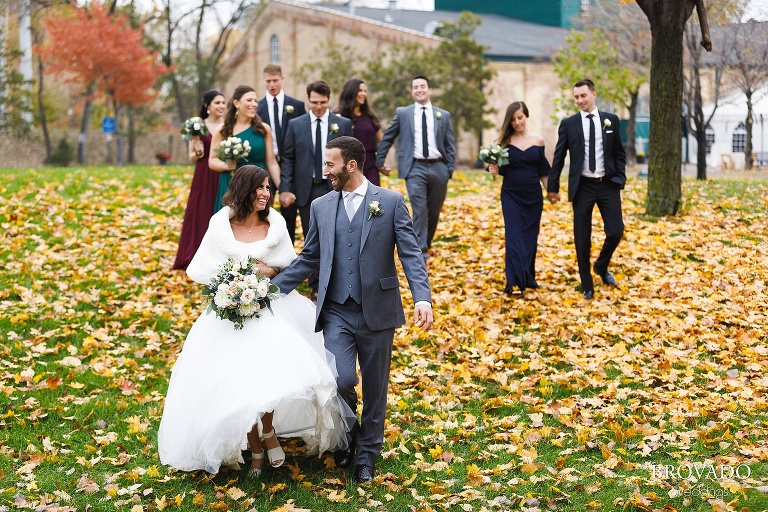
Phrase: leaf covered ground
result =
(652, 396)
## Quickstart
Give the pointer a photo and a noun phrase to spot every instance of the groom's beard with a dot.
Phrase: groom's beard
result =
(341, 179)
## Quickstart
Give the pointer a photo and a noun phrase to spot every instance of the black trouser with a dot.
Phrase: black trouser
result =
(318, 190)
(607, 196)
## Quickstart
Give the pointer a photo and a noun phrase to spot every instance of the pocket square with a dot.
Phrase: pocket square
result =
(609, 131)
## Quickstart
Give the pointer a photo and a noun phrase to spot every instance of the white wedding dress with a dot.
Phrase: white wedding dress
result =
(224, 379)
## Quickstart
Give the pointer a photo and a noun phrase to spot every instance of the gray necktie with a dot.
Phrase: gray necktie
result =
(350, 206)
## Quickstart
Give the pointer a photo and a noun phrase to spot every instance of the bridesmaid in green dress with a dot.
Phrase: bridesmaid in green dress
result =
(241, 120)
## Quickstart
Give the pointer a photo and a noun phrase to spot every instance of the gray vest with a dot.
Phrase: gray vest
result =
(345, 277)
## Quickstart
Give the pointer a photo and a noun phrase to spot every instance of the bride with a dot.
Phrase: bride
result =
(236, 389)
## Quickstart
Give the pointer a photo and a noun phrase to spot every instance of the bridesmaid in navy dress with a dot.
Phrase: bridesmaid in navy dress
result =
(205, 182)
(366, 127)
(521, 196)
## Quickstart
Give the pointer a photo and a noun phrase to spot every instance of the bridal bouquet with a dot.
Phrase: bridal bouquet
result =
(239, 291)
(233, 149)
(193, 127)
(494, 154)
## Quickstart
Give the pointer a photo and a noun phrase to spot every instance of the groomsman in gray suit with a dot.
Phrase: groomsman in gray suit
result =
(301, 164)
(426, 157)
(353, 233)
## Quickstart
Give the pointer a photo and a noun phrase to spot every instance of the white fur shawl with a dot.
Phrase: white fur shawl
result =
(219, 244)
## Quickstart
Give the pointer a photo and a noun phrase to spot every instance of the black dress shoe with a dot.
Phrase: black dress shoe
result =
(588, 294)
(608, 278)
(363, 473)
(344, 458)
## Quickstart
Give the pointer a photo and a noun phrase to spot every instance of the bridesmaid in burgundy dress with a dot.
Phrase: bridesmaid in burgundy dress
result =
(353, 104)
(205, 182)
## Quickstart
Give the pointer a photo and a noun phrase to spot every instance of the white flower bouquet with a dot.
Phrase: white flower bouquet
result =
(494, 154)
(233, 149)
(239, 291)
(193, 127)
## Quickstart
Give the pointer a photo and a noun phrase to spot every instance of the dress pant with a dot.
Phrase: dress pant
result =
(427, 185)
(318, 190)
(350, 340)
(607, 196)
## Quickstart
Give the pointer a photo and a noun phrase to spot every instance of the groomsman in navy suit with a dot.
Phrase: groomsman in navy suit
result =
(301, 164)
(596, 177)
(277, 108)
(426, 157)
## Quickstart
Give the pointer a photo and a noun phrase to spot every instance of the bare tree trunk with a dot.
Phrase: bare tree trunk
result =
(667, 20)
(41, 108)
(85, 124)
(131, 135)
(632, 108)
(749, 123)
(119, 140)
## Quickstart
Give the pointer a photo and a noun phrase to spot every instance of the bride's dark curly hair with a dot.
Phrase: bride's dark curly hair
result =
(241, 193)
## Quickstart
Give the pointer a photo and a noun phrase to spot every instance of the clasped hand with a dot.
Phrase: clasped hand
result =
(287, 199)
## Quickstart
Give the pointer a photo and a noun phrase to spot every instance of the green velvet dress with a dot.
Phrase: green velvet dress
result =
(257, 156)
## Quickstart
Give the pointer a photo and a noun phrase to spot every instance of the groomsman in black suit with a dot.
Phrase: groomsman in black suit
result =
(596, 177)
(277, 108)
(301, 164)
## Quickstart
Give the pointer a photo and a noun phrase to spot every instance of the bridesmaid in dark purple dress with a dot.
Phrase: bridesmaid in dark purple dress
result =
(353, 104)
(205, 182)
(521, 197)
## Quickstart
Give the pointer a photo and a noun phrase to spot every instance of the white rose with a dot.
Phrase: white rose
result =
(196, 126)
(262, 289)
(247, 296)
(251, 280)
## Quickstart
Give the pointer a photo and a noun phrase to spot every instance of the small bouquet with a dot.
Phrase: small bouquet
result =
(233, 149)
(494, 154)
(239, 291)
(193, 127)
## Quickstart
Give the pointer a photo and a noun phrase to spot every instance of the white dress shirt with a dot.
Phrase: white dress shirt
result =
(599, 154)
(323, 132)
(431, 140)
(271, 109)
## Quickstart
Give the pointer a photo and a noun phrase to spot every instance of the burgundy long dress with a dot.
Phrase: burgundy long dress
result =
(202, 196)
(364, 131)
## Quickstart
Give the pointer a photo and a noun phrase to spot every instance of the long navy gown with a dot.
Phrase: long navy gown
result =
(522, 204)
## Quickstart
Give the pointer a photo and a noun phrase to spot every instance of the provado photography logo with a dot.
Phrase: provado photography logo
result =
(697, 472)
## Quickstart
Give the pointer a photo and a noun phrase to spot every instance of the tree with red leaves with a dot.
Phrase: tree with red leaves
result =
(89, 46)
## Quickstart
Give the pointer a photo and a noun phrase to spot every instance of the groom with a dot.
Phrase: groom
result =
(596, 177)
(353, 233)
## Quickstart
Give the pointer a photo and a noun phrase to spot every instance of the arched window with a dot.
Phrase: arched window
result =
(739, 140)
(585, 7)
(710, 135)
(274, 48)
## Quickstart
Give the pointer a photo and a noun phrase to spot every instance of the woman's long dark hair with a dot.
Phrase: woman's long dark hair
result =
(242, 192)
(347, 103)
(208, 97)
(507, 130)
(230, 118)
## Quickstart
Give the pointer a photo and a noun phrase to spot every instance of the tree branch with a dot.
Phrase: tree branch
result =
(701, 11)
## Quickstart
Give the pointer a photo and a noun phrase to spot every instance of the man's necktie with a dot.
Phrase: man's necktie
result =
(278, 128)
(424, 137)
(592, 159)
(350, 207)
(318, 151)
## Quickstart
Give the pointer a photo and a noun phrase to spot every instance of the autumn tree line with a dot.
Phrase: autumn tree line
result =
(149, 67)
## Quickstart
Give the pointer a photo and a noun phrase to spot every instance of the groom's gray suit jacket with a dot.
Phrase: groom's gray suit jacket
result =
(402, 125)
(381, 302)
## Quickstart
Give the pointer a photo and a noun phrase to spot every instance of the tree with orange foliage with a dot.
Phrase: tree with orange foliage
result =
(88, 45)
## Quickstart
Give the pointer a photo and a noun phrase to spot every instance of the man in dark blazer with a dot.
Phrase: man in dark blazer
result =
(353, 233)
(596, 177)
(426, 157)
(301, 164)
(277, 108)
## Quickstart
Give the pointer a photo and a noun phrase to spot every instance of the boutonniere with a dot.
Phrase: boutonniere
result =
(375, 210)
(438, 115)
(289, 109)
(334, 128)
(606, 124)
